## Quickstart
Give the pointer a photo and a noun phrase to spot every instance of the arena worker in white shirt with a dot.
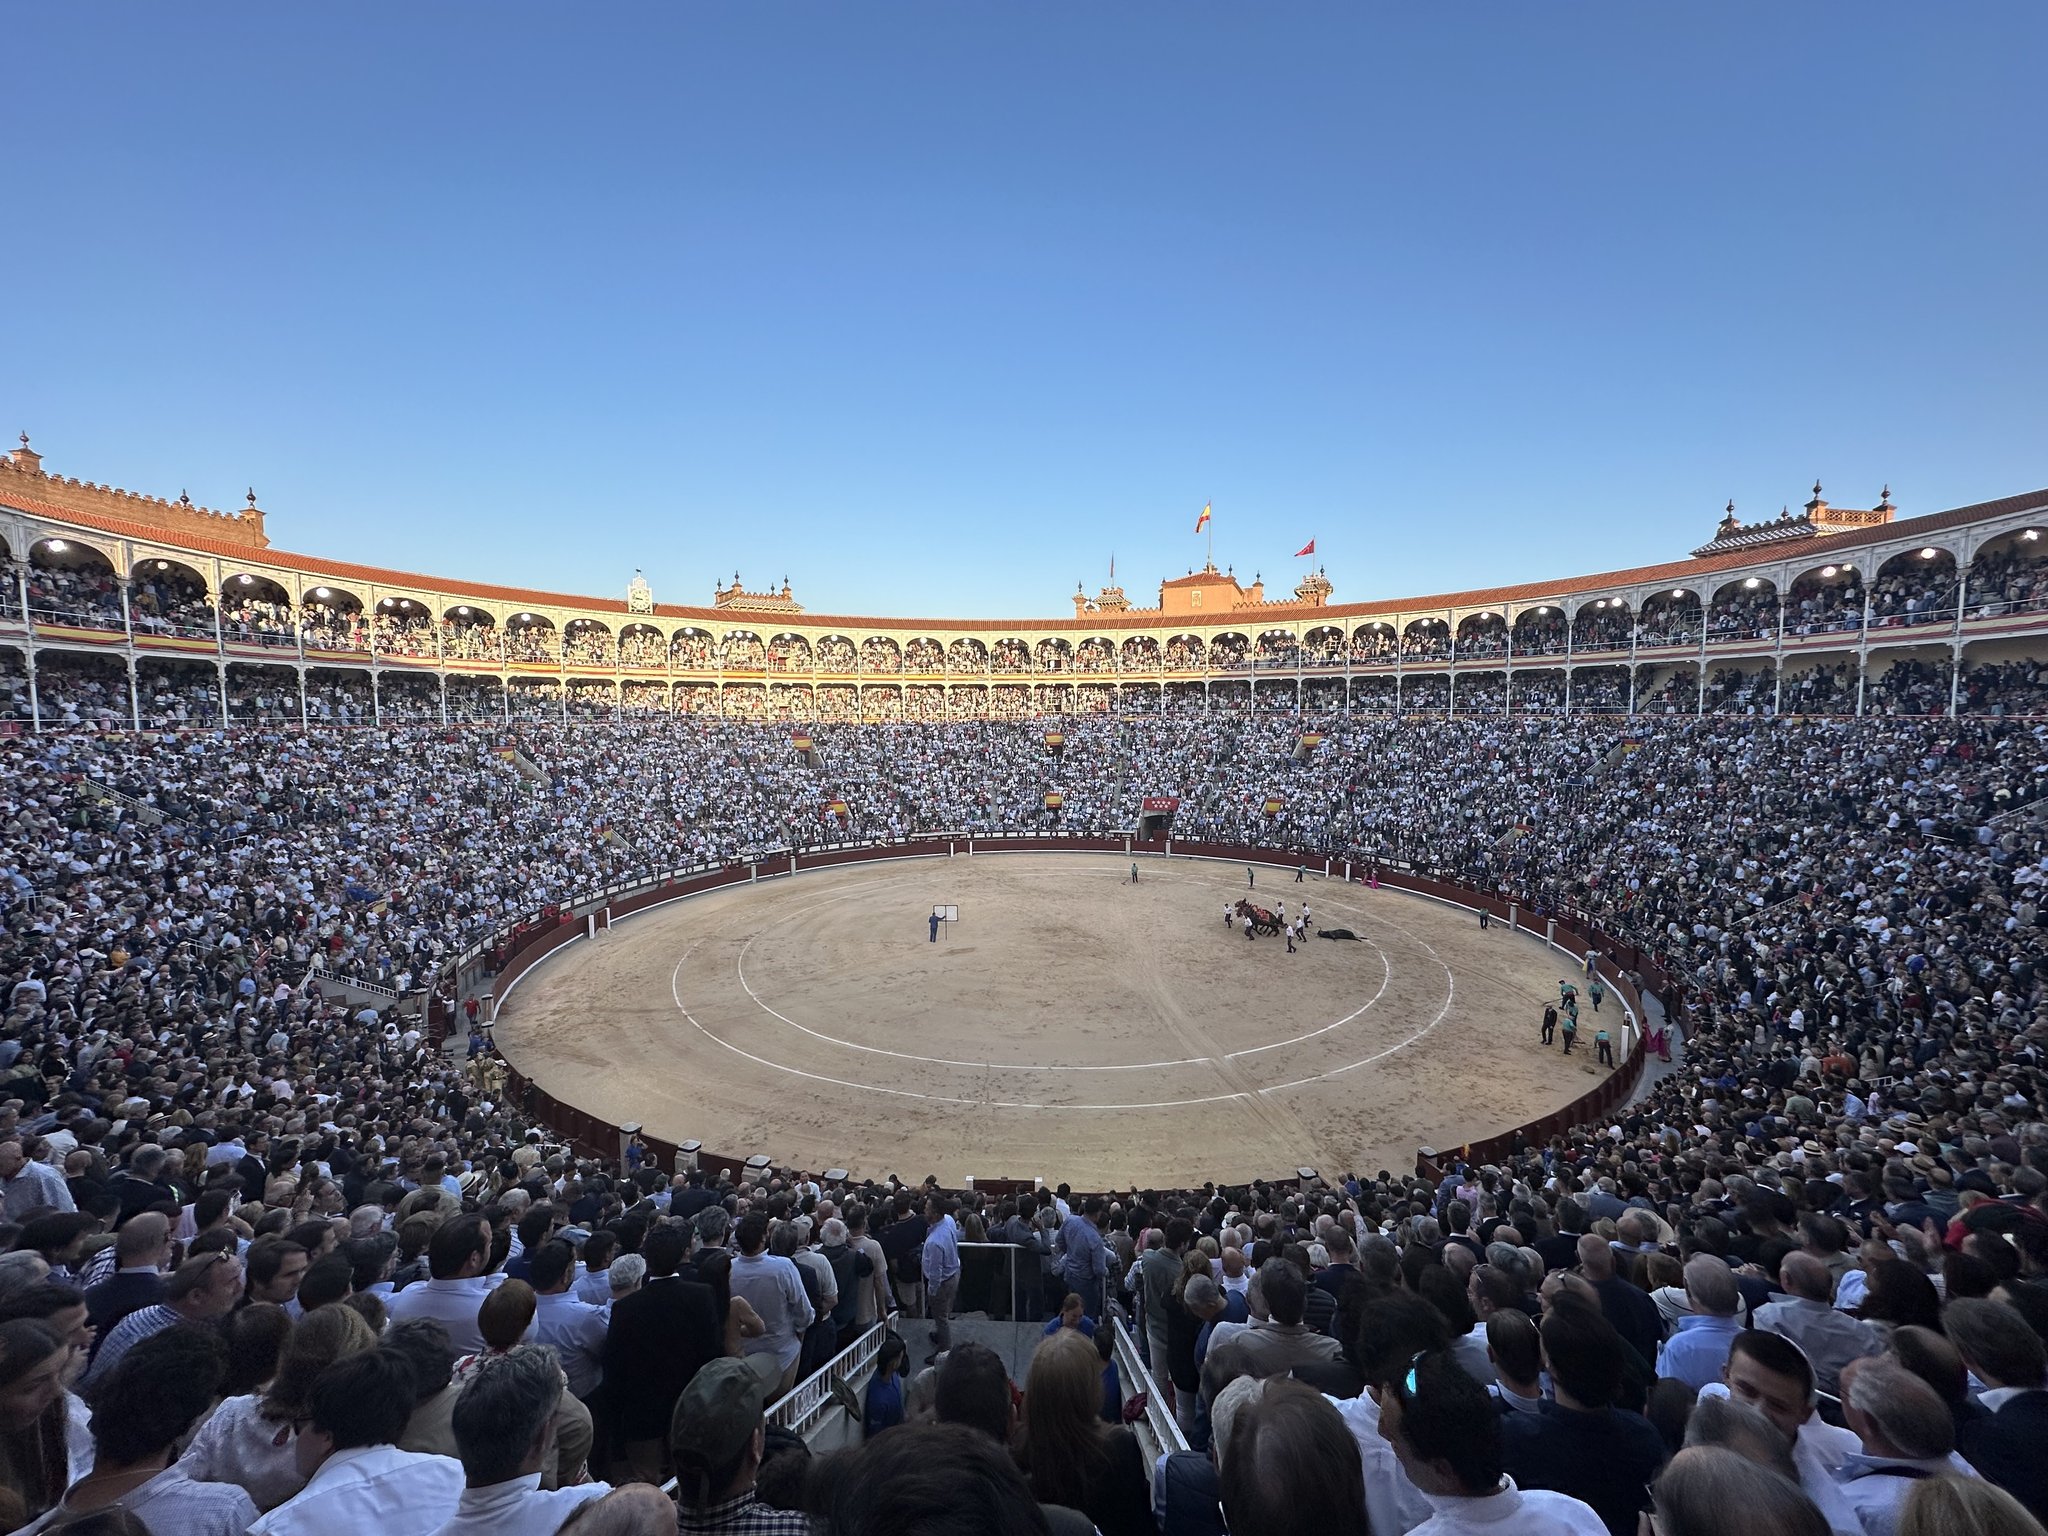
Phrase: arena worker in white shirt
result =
(504, 1429)
(1445, 1432)
(357, 1479)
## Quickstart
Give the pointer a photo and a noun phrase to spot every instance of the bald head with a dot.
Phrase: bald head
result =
(1596, 1259)
(143, 1239)
(1806, 1277)
(1711, 1286)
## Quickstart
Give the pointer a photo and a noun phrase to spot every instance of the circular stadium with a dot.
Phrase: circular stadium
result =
(1467, 978)
(1024, 973)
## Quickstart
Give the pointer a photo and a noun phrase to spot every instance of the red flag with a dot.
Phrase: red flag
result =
(1307, 549)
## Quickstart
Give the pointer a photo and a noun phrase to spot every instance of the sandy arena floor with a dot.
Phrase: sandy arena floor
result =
(1069, 1027)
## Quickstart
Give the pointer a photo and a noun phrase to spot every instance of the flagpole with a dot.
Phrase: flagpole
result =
(1209, 528)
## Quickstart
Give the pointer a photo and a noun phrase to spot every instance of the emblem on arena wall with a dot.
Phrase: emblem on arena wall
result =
(639, 595)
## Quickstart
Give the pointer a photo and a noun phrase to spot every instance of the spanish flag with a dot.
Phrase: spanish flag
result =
(1054, 800)
(1203, 521)
(835, 808)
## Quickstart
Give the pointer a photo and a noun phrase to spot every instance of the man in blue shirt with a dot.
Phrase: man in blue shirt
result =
(941, 1274)
(1084, 1257)
(1698, 1352)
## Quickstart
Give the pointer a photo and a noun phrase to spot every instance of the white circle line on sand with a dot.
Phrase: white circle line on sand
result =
(674, 981)
(1386, 980)
(934, 1098)
(1450, 994)
(740, 964)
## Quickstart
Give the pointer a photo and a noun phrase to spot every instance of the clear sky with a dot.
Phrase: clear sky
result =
(933, 308)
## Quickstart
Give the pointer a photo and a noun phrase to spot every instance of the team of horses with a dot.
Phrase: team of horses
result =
(1262, 920)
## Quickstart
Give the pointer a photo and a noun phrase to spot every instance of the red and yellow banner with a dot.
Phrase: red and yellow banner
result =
(1055, 739)
(1054, 799)
(1275, 805)
(801, 741)
(836, 808)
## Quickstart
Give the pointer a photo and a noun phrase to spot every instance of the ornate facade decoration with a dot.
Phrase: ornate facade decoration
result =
(1815, 521)
(738, 597)
(24, 483)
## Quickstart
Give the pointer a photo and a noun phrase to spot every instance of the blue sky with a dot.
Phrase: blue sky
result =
(934, 307)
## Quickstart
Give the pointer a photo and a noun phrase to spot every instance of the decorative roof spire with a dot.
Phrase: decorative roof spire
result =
(1884, 498)
(251, 498)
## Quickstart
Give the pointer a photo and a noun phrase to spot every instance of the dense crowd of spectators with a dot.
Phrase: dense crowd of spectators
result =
(279, 1265)
(324, 1278)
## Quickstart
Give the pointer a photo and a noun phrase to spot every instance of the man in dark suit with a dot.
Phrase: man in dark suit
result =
(142, 1252)
(660, 1337)
(2007, 1356)
(1580, 1444)
(1628, 1307)
(1561, 1251)
(145, 1186)
(693, 1197)
(252, 1170)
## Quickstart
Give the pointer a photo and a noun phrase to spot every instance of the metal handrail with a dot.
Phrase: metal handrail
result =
(803, 1405)
(1158, 1433)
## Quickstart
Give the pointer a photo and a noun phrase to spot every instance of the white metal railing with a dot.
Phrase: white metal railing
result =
(1158, 1434)
(800, 1409)
(318, 971)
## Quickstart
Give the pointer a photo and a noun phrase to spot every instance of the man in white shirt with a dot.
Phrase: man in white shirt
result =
(1445, 1432)
(27, 1188)
(504, 1429)
(457, 1256)
(1767, 1371)
(1387, 1341)
(1828, 1338)
(1907, 1436)
(357, 1480)
(574, 1329)
(774, 1289)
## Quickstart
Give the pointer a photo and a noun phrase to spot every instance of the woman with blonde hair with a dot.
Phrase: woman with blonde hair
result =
(1069, 1455)
(251, 1439)
(1964, 1506)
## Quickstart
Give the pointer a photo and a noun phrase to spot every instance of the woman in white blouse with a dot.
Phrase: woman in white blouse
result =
(249, 1439)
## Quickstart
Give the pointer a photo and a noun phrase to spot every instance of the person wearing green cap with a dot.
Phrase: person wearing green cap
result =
(715, 1439)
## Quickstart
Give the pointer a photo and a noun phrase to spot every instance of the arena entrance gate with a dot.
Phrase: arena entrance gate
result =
(1155, 817)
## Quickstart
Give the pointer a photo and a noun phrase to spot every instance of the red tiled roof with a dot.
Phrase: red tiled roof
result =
(1203, 579)
(1691, 572)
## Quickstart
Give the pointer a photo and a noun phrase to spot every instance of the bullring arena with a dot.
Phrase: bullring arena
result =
(1070, 1025)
